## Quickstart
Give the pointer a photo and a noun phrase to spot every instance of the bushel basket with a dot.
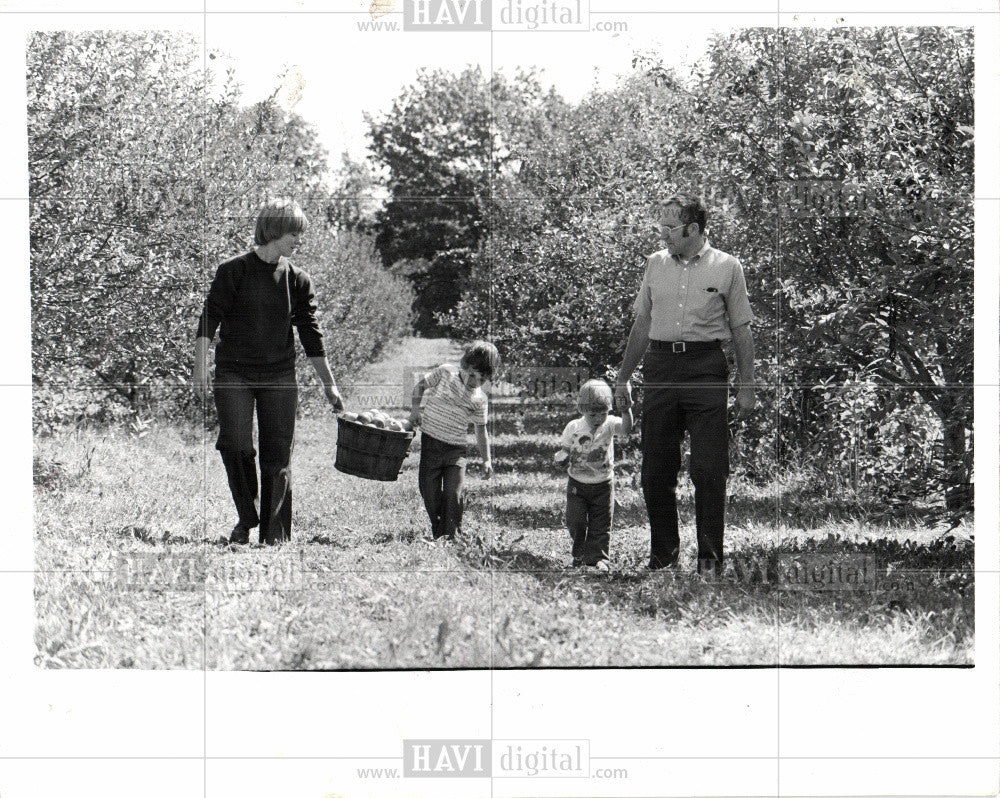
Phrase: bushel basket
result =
(369, 452)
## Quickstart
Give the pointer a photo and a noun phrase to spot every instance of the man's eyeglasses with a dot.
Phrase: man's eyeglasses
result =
(666, 230)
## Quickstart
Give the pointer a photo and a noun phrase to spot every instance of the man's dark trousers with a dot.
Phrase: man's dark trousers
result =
(275, 395)
(685, 391)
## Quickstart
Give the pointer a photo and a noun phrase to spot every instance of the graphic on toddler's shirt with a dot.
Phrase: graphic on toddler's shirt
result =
(591, 456)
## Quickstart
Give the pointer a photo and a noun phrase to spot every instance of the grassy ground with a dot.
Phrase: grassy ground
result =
(134, 570)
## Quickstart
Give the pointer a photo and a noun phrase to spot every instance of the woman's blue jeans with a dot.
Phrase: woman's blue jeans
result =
(275, 396)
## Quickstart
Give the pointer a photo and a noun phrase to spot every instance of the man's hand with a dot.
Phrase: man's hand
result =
(333, 397)
(623, 394)
(746, 402)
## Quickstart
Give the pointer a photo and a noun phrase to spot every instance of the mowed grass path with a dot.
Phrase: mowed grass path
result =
(134, 570)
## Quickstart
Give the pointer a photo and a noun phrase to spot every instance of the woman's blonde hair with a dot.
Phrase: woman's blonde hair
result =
(277, 218)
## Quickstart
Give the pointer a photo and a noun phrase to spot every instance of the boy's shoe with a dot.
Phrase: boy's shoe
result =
(710, 568)
(577, 562)
(655, 563)
(240, 535)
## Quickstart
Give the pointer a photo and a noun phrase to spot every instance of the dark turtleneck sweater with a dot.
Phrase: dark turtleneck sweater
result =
(256, 304)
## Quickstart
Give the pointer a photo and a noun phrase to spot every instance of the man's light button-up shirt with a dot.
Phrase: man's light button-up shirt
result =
(709, 291)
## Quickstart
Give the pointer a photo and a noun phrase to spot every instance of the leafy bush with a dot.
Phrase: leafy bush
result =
(145, 173)
(870, 285)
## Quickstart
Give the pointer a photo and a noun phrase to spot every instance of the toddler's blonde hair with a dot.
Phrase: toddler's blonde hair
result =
(594, 392)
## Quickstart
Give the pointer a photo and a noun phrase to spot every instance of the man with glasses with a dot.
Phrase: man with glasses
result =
(692, 298)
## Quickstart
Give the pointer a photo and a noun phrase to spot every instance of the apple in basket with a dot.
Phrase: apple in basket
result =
(379, 420)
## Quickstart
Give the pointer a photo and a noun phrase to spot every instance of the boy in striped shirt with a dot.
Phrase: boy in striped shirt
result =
(452, 399)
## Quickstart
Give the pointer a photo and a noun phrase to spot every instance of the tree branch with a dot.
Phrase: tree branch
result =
(913, 75)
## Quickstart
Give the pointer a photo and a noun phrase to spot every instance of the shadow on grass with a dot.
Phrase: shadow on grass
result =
(327, 540)
(802, 584)
(484, 491)
(531, 454)
(147, 536)
(790, 508)
(519, 517)
(630, 510)
(408, 535)
(532, 420)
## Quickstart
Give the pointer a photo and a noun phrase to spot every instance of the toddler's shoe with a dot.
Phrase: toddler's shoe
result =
(600, 567)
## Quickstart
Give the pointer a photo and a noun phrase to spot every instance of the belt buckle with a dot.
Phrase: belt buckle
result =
(677, 347)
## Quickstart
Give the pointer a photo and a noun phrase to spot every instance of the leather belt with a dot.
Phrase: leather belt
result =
(678, 347)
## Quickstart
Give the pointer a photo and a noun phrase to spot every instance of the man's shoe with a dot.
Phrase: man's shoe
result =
(240, 535)
(656, 564)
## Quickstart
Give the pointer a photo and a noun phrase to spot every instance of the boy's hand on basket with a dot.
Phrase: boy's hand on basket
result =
(414, 417)
(487, 468)
(333, 397)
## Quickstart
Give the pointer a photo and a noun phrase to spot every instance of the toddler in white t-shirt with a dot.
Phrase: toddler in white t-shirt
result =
(588, 445)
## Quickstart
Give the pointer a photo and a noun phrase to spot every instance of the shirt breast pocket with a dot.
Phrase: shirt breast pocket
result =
(710, 306)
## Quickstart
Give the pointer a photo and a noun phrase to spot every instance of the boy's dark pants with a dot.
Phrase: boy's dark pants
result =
(589, 510)
(276, 398)
(685, 391)
(440, 477)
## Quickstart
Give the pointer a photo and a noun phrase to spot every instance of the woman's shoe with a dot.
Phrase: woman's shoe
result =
(240, 534)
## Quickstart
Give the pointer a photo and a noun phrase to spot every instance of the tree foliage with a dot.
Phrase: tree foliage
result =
(837, 165)
(441, 146)
(869, 135)
(144, 173)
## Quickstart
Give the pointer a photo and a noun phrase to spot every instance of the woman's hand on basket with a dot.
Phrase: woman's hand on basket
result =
(414, 418)
(333, 397)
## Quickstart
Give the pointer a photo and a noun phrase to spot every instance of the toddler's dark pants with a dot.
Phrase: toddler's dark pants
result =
(589, 510)
(440, 477)
(275, 396)
(685, 391)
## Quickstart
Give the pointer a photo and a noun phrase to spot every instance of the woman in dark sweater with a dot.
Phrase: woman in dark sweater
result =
(254, 302)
